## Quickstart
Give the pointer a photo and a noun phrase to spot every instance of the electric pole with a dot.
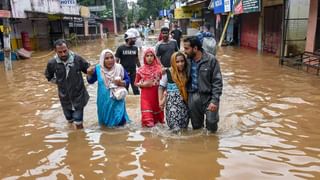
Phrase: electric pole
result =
(6, 38)
(114, 19)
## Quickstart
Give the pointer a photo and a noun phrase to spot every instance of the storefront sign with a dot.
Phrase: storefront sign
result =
(165, 12)
(222, 6)
(187, 12)
(84, 12)
(247, 6)
(68, 2)
(5, 14)
(97, 8)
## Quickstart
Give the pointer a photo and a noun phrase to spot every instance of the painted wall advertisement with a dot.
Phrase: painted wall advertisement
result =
(246, 6)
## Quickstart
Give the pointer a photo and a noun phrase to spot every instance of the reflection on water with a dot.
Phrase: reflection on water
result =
(268, 129)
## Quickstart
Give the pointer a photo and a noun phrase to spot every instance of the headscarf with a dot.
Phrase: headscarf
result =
(109, 74)
(150, 71)
(180, 80)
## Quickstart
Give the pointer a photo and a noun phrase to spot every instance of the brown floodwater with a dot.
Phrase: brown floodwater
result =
(268, 129)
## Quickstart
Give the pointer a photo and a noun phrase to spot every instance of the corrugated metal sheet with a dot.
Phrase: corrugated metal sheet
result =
(249, 30)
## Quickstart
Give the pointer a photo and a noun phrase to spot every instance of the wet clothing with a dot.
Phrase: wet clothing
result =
(111, 112)
(209, 89)
(177, 116)
(128, 56)
(68, 77)
(164, 51)
(150, 109)
(75, 116)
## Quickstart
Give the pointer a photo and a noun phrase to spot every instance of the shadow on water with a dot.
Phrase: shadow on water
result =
(268, 128)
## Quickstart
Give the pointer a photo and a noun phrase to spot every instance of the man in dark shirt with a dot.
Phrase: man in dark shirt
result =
(176, 34)
(65, 71)
(128, 56)
(166, 47)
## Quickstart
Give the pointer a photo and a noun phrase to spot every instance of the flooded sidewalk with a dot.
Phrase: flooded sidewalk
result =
(268, 127)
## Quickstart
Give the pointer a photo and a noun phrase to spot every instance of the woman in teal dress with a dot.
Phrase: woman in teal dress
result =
(112, 79)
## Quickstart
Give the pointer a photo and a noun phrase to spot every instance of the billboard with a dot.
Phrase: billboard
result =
(222, 6)
(246, 6)
(187, 12)
(68, 2)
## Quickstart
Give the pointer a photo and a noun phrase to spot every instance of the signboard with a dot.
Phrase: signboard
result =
(5, 14)
(246, 6)
(84, 12)
(68, 2)
(97, 8)
(187, 12)
(222, 6)
(164, 12)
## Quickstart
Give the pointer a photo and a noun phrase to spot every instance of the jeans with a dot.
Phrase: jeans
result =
(198, 104)
(135, 89)
(74, 115)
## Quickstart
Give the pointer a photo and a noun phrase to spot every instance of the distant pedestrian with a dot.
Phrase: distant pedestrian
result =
(128, 57)
(111, 93)
(166, 47)
(148, 77)
(65, 71)
(204, 85)
(173, 93)
(176, 34)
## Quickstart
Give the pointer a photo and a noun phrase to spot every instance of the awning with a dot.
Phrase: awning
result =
(5, 14)
(192, 3)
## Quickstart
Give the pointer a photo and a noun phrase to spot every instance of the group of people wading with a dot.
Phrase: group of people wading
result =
(175, 86)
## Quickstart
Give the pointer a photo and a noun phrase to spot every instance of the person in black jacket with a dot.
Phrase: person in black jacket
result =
(65, 71)
(204, 85)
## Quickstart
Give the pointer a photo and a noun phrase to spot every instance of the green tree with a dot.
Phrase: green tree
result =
(151, 8)
(120, 6)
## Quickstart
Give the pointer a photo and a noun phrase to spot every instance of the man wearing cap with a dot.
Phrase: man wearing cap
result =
(134, 29)
(127, 55)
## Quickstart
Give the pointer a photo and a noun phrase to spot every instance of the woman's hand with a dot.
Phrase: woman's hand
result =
(147, 83)
(118, 82)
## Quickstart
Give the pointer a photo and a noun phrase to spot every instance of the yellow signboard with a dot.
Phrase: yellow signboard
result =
(187, 12)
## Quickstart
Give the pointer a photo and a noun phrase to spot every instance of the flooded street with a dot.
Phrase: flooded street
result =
(268, 128)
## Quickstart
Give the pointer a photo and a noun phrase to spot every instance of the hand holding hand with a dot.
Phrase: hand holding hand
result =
(91, 70)
(212, 107)
(118, 81)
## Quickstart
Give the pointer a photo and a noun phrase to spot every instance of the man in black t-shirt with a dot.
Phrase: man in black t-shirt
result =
(128, 56)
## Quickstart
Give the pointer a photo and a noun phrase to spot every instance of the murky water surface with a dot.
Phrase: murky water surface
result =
(269, 128)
